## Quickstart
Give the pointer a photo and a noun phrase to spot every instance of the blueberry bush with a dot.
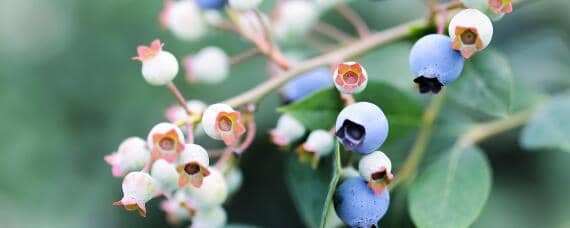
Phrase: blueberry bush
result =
(313, 113)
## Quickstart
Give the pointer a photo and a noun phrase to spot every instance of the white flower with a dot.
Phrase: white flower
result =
(210, 65)
(138, 188)
(132, 155)
(470, 31)
(244, 4)
(295, 19)
(288, 129)
(222, 122)
(210, 218)
(185, 20)
(165, 141)
(159, 67)
(212, 193)
(376, 168)
(165, 174)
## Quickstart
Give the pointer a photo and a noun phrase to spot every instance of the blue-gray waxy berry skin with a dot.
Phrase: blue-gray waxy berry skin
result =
(432, 57)
(211, 4)
(361, 127)
(306, 84)
(357, 205)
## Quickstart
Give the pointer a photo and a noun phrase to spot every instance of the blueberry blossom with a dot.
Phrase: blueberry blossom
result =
(132, 155)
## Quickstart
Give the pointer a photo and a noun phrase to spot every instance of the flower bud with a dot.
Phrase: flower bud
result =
(288, 129)
(158, 67)
(165, 174)
(213, 192)
(166, 141)
(470, 31)
(222, 122)
(179, 208)
(319, 143)
(211, 65)
(295, 19)
(132, 155)
(210, 218)
(184, 19)
(193, 165)
(350, 77)
(376, 168)
(138, 188)
(244, 4)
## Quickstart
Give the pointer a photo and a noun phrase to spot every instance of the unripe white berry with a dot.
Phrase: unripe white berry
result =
(470, 31)
(161, 69)
(213, 192)
(184, 19)
(222, 122)
(288, 129)
(166, 141)
(210, 65)
(295, 19)
(320, 142)
(138, 188)
(214, 217)
(372, 163)
(244, 4)
(165, 174)
(132, 155)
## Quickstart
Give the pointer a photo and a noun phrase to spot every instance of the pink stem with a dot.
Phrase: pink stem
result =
(250, 136)
(172, 87)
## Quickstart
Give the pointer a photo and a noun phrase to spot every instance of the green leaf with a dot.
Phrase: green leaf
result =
(317, 111)
(485, 84)
(403, 112)
(390, 65)
(312, 190)
(549, 128)
(451, 192)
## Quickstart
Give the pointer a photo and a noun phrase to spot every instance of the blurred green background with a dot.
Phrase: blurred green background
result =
(69, 94)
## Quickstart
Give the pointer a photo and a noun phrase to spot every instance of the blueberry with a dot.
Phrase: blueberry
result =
(211, 4)
(306, 84)
(357, 205)
(434, 63)
(361, 127)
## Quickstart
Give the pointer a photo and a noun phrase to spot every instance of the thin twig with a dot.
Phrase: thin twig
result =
(181, 100)
(245, 55)
(251, 129)
(353, 18)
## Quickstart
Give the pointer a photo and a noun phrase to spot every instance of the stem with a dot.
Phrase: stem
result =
(415, 155)
(249, 138)
(244, 56)
(172, 87)
(353, 18)
(374, 40)
(190, 132)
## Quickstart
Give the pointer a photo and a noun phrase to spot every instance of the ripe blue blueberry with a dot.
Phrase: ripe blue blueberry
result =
(211, 4)
(434, 63)
(306, 84)
(357, 205)
(361, 127)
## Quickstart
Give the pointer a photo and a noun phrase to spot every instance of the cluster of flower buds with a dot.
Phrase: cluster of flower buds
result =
(168, 163)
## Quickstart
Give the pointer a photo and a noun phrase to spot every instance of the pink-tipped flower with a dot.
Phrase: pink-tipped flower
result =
(132, 155)
(179, 208)
(184, 19)
(165, 175)
(350, 77)
(213, 192)
(288, 130)
(222, 122)
(319, 143)
(501, 6)
(470, 31)
(210, 65)
(166, 141)
(138, 188)
(175, 112)
(376, 168)
(159, 67)
(193, 166)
